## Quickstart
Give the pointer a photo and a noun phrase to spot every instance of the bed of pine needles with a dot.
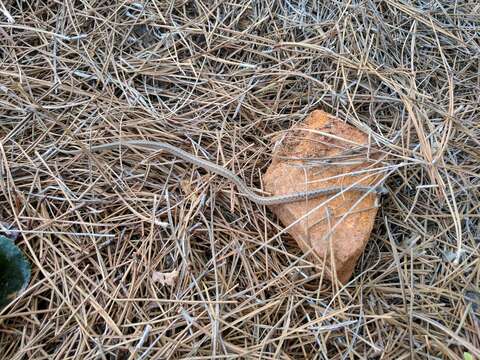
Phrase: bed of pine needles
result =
(138, 255)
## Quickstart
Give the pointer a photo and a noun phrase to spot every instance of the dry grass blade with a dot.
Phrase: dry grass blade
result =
(221, 79)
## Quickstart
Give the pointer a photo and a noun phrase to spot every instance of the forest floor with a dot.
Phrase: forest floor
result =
(138, 255)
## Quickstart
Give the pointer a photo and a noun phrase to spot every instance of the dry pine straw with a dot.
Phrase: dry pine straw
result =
(221, 79)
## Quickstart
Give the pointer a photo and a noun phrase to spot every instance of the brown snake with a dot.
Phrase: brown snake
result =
(244, 189)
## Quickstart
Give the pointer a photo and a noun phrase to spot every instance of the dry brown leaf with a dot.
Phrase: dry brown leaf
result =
(165, 278)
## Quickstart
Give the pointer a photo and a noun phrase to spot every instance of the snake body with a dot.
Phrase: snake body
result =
(244, 189)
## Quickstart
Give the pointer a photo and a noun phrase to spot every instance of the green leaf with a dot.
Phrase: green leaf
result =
(14, 271)
(467, 356)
